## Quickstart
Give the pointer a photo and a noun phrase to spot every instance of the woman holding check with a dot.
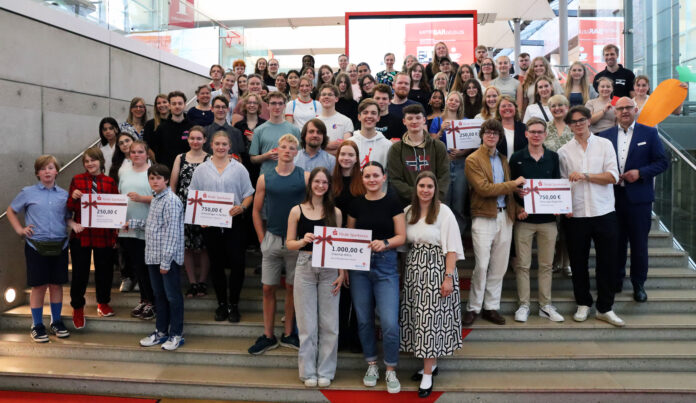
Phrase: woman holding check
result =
(379, 287)
(317, 289)
(225, 245)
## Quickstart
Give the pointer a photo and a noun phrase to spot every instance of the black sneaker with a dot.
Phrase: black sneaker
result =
(263, 344)
(192, 291)
(221, 313)
(149, 312)
(138, 310)
(59, 329)
(38, 333)
(290, 341)
(234, 316)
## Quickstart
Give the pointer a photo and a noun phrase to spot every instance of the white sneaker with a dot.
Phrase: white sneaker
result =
(310, 382)
(371, 375)
(126, 285)
(323, 382)
(522, 313)
(173, 343)
(153, 339)
(568, 271)
(612, 318)
(393, 385)
(581, 314)
(549, 312)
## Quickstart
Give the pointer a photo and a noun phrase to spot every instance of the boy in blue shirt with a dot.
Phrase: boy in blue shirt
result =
(164, 255)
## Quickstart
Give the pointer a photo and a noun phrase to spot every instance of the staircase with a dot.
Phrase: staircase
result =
(654, 355)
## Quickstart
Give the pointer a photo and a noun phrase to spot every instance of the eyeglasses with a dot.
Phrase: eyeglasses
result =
(491, 134)
(536, 132)
(219, 107)
(578, 122)
(276, 104)
(623, 108)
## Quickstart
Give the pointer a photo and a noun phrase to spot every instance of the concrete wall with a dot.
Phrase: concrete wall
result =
(55, 87)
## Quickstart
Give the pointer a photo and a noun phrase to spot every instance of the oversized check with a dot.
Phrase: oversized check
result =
(464, 134)
(103, 210)
(341, 248)
(548, 196)
(209, 208)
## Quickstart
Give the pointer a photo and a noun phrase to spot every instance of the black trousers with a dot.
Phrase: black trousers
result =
(226, 248)
(347, 321)
(634, 225)
(134, 253)
(103, 273)
(603, 230)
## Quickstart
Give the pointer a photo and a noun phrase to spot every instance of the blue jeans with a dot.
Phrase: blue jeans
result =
(168, 299)
(380, 287)
(457, 192)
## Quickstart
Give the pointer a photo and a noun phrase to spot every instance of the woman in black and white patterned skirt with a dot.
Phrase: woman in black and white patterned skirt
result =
(430, 304)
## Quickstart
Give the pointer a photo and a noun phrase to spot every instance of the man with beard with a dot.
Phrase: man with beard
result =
(402, 86)
(623, 78)
(314, 140)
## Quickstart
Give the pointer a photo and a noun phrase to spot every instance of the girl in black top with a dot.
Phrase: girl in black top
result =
(346, 104)
(378, 288)
(316, 289)
(420, 90)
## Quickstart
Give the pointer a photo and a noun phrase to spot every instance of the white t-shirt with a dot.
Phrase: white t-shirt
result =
(510, 142)
(301, 111)
(443, 232)
(337, 125)
(108, 152)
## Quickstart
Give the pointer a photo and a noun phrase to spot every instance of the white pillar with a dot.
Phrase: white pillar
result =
(518, 43)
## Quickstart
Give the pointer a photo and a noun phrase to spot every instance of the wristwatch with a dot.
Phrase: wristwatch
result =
(587, 176)
(386, 243)
(450, 275)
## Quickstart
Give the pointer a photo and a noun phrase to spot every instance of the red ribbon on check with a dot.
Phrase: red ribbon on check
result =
(536, 189)
(195, 200)
(89, 204)
(324, 239)
(456, 130)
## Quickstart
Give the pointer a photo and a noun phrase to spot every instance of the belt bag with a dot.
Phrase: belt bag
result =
(49, 248)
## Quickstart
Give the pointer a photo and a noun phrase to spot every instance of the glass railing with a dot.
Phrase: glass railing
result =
(175, 26)
(675, 195)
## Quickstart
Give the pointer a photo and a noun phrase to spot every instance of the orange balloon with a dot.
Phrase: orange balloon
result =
(662, 102)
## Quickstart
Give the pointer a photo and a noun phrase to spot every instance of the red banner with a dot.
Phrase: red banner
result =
(181, 13)
(457, 35)
(593, 34)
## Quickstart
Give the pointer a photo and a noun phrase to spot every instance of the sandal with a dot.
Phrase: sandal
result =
(192, 290)
(202, 289)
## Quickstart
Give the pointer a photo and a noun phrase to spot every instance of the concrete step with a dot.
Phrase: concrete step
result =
(474, 355)
(244, 383)
(639, 326)
(682, 300)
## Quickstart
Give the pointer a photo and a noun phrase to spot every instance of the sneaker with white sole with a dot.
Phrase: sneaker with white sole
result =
(38, 333)
(323, 382)
(154, 339)
(522, 313)
(393, 385)
(173, 343)
(568, 271)
(310, 382)
(611, 318)
(581, 313)
(549, 312)
(59, 329)
(126, 285)
(371, 376)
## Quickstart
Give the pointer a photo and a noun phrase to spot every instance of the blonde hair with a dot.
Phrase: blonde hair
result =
(43, 161)
(289, 138)
(486, 112)
(584, 83)
(531, 77)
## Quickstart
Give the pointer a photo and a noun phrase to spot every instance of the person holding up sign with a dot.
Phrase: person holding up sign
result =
(225, 245)
(536, 162)
(430, 314)
(493, 212)
(97, 241)
(458, 187)
(590, 163)
(316, 289)
(379, 287)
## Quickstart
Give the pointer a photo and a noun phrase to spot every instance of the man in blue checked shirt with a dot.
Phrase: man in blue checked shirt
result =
(164, 255)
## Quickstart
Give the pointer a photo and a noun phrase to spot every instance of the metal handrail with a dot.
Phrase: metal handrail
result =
(670, 143)
(64, 167)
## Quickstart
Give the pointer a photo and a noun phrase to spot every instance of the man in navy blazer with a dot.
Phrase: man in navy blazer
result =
(641, 157)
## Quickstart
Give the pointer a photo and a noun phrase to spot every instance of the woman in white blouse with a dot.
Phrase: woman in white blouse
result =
(430, 313)
(543, 90)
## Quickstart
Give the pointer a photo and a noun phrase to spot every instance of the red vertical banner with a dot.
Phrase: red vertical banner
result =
(593, 34)
(181, 13)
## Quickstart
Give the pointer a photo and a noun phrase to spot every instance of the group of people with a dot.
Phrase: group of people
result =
(299, 151)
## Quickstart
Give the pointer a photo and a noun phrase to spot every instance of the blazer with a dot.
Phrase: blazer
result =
(483, 191)
(647, 155)
(519, 143)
